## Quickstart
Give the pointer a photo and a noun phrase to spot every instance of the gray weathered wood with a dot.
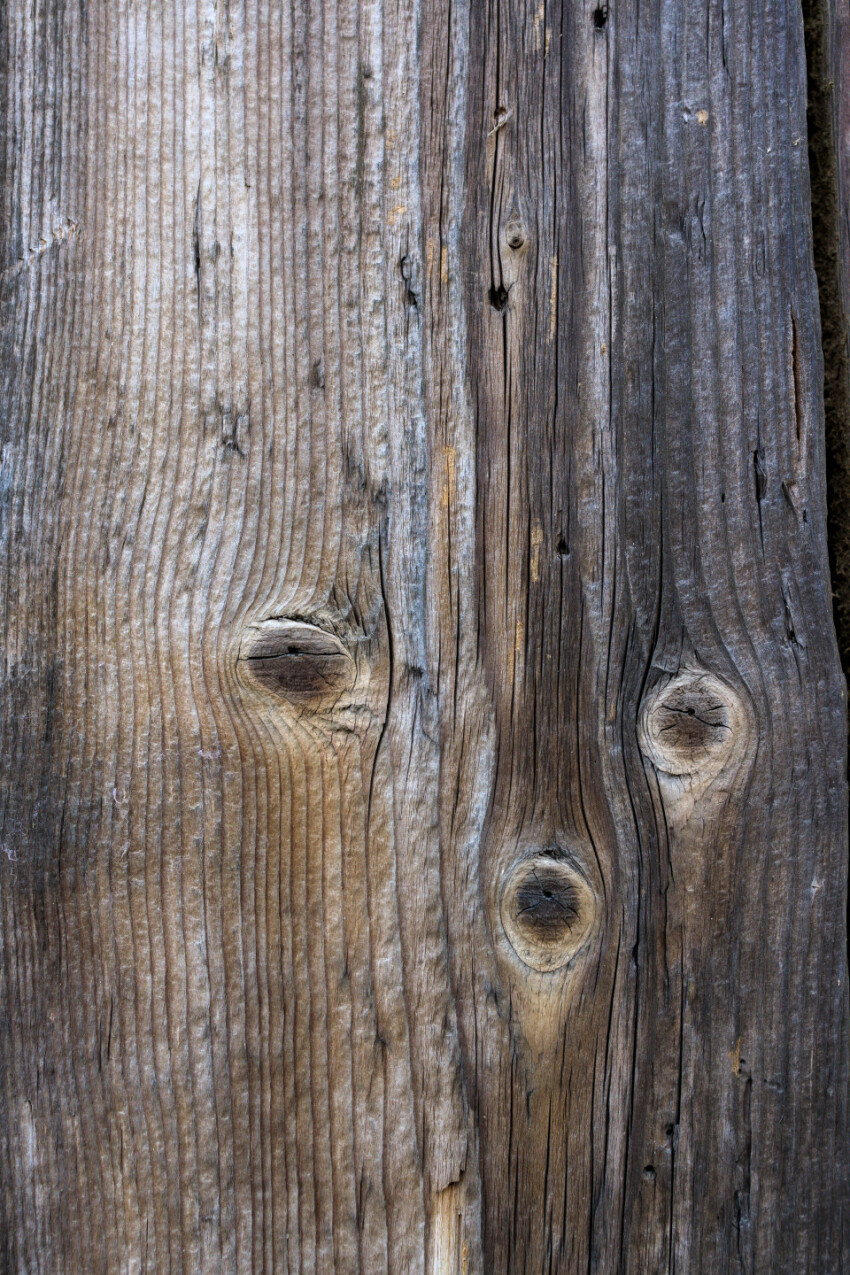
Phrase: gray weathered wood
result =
(424, 809)
(827, 27)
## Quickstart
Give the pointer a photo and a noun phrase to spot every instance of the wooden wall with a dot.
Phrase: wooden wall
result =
(423, 801)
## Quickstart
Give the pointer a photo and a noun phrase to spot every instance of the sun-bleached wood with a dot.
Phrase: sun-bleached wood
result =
(423, 811)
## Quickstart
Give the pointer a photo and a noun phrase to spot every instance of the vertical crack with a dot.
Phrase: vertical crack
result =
(826, 212)
(834, 297)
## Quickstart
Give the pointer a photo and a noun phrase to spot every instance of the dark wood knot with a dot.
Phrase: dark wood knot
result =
(296, 661)
(547, 910)
(692, 724)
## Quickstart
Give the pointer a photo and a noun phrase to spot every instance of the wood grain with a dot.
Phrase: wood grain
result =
(827, 31)
(424, 806)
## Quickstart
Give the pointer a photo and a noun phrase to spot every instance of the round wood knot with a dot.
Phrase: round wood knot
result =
(691, 725)
(515, 234)
(296, 661)
(547, 911)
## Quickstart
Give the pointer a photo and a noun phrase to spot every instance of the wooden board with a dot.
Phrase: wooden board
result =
(827, 32)
(424, 813)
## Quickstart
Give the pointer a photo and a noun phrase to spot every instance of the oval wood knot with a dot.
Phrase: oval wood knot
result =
(296, 661)
(515, 233)
(692, 724)
(547, 910)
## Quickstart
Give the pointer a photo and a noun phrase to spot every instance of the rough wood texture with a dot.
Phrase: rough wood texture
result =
(423, 810)
(827, 28)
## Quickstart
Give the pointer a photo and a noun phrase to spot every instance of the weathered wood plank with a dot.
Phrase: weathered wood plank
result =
(215, 881)
(827, 26)
(648, 391)
(424, 809)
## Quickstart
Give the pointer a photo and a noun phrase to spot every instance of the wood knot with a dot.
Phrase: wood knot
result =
(515, 235)
(547, 910)
(691, 725)
(296, 661)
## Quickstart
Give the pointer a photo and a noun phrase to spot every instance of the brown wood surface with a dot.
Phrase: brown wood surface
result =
(423, 804)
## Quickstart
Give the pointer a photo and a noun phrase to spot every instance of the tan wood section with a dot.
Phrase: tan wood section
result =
(422, 800)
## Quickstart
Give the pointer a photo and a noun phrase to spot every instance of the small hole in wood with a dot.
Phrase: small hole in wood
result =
(600, 17)
(499, 297)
